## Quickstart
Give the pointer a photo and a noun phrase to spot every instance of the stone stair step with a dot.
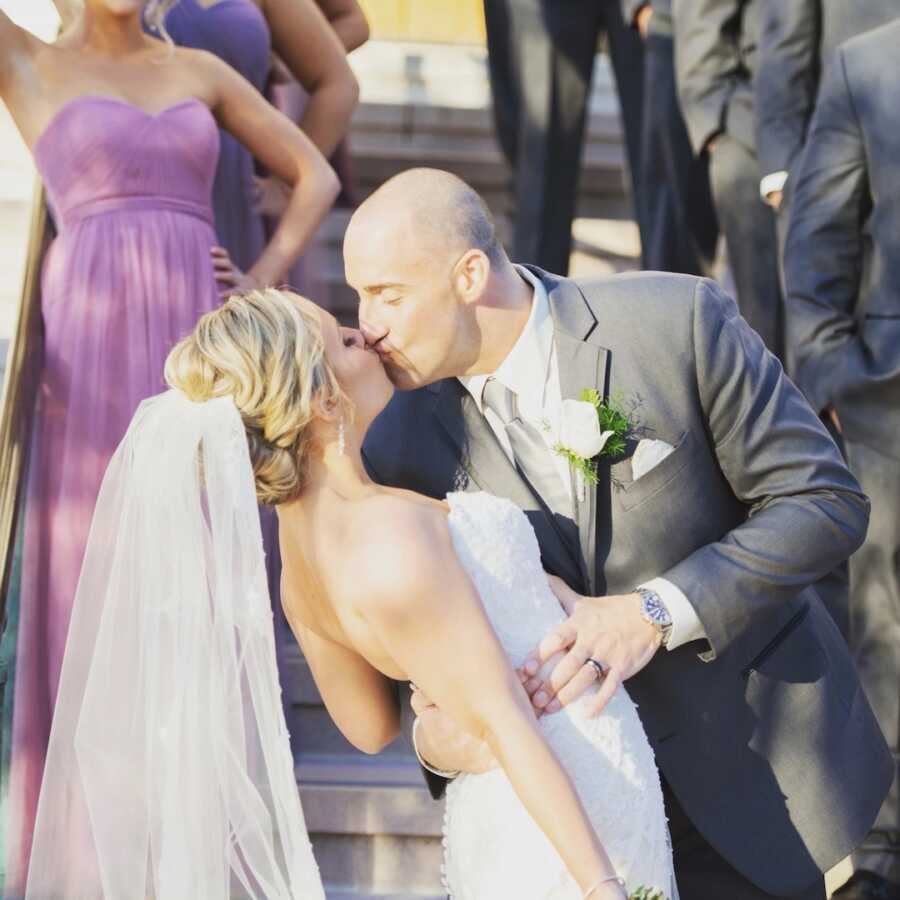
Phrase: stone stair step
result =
(375, 830)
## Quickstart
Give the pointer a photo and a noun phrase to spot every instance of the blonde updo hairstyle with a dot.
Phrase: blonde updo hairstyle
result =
(264, 349)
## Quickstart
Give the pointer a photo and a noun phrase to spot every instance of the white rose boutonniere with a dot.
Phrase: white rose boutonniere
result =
(579, 429)
(589, 429)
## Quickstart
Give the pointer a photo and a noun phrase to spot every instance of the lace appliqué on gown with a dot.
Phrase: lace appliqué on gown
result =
(492, 847)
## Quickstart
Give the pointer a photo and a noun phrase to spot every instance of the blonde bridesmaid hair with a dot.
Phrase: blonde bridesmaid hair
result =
(265, 350)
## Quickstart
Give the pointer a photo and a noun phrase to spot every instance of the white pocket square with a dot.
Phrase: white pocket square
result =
(647, 456)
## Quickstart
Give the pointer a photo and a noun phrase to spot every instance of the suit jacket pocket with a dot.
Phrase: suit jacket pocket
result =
(631, 494)
(783, 633)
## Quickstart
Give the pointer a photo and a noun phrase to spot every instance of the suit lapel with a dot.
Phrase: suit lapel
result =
(583, 363)
(490, 468)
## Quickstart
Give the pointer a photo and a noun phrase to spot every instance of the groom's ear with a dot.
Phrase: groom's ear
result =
(470, 275)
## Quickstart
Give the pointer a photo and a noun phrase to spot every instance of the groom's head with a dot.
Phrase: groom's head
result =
(423, 256)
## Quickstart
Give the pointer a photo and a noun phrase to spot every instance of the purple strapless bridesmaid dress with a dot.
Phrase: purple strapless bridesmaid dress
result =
(129, 274)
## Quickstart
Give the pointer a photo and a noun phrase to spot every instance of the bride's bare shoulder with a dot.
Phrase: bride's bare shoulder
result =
(397, 538)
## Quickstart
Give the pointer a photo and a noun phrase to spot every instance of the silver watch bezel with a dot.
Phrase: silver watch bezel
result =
(651, 601)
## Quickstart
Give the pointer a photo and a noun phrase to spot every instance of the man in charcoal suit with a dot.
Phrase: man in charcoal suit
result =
(842, 275)
(541, 60)
(773, 765)
(798, 41)
(716, 61)
(679, 228)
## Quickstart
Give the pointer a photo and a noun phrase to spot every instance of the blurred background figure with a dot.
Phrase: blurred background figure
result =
(798, 41)
(716, 43)
(244, 34)
(541, 61)
(125, 133)
(679, 230)
(842, 274)
(349, 23)
(289, 95)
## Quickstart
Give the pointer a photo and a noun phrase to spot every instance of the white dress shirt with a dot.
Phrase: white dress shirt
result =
(531, 372)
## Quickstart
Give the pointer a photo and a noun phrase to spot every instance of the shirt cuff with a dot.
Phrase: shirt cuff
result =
(441, 773)
(686, 624)
(772, 183)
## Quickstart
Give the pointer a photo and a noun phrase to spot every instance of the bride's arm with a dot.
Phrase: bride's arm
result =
(425, 612)
(361, 701)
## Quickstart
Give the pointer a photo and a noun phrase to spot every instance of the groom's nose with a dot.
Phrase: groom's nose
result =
(372, 334)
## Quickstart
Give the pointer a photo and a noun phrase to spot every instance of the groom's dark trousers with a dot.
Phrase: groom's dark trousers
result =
(702, 873)
(762, 730)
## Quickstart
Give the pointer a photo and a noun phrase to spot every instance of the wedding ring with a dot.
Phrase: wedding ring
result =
(601, 672)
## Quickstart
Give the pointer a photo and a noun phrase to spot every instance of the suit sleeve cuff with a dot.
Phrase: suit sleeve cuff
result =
(772, 183)
(686, 624)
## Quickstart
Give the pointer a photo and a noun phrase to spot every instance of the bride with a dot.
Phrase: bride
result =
(169, 772)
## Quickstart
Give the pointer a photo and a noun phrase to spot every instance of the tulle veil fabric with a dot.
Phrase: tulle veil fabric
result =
(169, 773)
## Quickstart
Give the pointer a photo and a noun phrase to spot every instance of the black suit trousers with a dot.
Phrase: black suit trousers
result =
(875, 635)
(541, 60)
(750, 236)
(679, 230)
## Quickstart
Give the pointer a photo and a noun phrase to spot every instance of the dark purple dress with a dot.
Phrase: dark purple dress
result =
(237, 32)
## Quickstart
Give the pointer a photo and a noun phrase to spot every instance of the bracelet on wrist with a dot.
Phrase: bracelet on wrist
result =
(610, 879)
(441, 773)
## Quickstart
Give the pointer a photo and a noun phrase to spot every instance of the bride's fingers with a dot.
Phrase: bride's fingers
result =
(586, 676)
(564, 672)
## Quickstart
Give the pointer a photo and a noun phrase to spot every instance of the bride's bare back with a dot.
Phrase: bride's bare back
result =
(325, 545)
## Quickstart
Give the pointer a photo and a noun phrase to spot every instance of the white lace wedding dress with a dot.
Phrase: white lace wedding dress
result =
(493, 850)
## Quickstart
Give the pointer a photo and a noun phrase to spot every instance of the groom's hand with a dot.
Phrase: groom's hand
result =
(608, 630)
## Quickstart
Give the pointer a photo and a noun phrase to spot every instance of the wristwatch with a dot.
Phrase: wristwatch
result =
(655, 612)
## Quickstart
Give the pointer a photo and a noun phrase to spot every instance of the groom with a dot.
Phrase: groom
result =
(696, 548)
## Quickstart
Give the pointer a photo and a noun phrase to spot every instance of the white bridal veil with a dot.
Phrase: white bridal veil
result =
(169, 775)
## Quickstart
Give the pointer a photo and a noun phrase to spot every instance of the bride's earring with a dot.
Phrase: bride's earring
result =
(342, 438)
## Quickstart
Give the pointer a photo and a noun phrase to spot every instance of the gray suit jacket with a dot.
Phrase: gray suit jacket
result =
(799, 38)
(842, 257)
(763, 732)
(715, 63)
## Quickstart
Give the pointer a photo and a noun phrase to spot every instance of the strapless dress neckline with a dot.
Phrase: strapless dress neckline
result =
(72, 104)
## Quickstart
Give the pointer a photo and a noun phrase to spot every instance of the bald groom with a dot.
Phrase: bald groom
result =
(696, 569)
